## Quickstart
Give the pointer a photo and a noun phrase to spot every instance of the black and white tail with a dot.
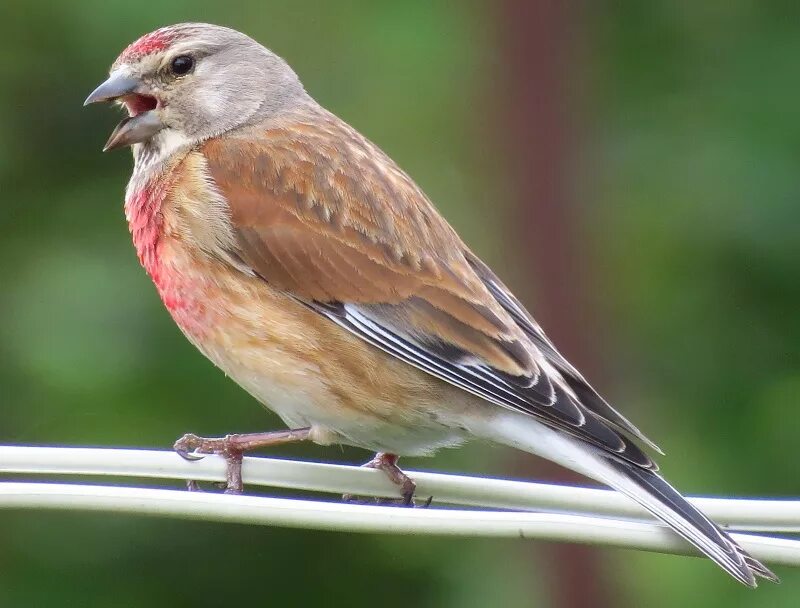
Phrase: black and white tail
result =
(644, 486)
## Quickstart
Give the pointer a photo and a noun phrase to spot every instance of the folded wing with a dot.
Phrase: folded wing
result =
(347, 233)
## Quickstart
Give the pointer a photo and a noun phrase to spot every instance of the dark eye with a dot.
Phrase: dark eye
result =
(182, 64)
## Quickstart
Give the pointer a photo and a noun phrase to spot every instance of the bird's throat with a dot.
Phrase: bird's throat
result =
(143, 212)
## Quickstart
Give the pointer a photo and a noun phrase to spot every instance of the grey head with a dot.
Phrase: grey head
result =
(188, 82)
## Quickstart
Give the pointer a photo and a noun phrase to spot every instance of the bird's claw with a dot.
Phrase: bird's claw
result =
(192, 447)
(189, 447)
(388, 464)
(190, 456)
(387, 502)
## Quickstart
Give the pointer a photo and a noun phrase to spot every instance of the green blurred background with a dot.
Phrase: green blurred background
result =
(629, 167)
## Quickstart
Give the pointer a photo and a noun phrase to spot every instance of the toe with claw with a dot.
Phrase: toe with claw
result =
(232, 448)
(388, 464)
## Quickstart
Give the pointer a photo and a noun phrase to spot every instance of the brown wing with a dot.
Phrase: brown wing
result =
(321, 213)
(330, 226)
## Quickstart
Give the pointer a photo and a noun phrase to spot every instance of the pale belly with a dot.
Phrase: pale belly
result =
(305, 368)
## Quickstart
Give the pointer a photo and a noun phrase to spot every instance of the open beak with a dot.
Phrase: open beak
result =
(142, 121)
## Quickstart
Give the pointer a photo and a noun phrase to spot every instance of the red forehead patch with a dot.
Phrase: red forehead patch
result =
(149, 43)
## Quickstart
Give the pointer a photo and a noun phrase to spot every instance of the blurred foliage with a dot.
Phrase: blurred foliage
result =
(688, 172)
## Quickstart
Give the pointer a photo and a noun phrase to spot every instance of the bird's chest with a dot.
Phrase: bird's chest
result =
(307, 369)
(180, 231)
(255, 334)
(178, 279)
(235, 320)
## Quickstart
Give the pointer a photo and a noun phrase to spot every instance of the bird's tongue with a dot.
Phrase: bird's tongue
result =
(138, 104)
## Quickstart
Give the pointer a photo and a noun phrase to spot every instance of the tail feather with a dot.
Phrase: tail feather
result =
(644, 486)
(667, 504)
(761, 570)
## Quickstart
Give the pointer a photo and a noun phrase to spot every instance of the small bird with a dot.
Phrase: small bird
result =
(304, 263)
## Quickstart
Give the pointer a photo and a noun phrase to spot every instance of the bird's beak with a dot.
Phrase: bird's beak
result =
(143, 121)
(118, 85)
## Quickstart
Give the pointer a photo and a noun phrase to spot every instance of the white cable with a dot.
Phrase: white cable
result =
(739, 514)
(374, 519)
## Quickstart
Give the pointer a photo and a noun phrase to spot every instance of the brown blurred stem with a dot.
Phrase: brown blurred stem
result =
(539, 43)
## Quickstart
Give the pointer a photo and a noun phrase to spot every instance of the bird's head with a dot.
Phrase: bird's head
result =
(188, 82)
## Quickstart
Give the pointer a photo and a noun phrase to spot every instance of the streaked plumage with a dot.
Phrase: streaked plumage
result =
(311, 269)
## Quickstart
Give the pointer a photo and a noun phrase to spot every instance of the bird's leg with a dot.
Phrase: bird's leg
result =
(231, 448)
(388, 464)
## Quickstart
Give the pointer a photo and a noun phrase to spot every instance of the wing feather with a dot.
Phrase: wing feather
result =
(587, 395)
(348, 234)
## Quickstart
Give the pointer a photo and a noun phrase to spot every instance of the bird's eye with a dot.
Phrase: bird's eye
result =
(182, 64)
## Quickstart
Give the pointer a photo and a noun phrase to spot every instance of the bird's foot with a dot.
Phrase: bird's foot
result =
(232, 448)
(388, 464)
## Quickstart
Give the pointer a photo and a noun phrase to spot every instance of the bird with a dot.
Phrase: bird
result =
(310, 268)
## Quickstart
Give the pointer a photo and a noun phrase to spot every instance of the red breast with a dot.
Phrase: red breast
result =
(171, 267)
